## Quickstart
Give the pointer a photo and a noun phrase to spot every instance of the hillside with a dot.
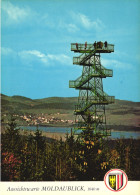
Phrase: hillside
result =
(23, 105)
(122, 114)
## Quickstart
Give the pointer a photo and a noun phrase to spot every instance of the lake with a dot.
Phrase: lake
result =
(114, 134)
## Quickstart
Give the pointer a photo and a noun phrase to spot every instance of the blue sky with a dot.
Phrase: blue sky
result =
(36, 60)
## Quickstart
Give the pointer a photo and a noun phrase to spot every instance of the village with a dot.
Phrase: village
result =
(40, 119)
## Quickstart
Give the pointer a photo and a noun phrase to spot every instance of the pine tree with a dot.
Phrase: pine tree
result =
(40, 147)
(12, 137)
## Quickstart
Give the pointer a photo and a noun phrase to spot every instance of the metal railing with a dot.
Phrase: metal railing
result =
(97, 100)
(82, 47)
(79, 46)
(80, 80)
(82, 58)
(107, 72)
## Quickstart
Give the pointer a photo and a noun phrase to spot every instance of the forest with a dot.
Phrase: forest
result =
(38, 158)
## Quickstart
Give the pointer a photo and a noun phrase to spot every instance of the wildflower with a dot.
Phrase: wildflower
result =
(11, 164)
(85, 163)
(99, 151)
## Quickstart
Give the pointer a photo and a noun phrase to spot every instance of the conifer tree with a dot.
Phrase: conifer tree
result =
(39, 152)
(12, 137)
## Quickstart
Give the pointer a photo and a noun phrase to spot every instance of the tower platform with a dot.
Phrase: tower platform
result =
(98, 47)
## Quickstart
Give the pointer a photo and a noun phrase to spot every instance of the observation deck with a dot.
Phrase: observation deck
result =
(98, 47)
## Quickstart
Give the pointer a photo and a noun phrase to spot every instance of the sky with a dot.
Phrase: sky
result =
(36, 37)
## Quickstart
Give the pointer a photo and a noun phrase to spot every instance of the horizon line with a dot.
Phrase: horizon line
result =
(58, 97)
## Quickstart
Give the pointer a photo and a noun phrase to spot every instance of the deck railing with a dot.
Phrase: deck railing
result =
(90, 47)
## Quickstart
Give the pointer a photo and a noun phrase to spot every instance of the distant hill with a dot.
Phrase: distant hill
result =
(121, 113)
(23, 105)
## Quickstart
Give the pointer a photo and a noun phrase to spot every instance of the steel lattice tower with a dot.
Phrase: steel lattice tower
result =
(90, 110)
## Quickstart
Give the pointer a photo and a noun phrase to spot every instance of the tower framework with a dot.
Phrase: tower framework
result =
(90, 110)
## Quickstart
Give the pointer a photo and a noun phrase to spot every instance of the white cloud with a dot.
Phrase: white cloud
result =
(32, 56)
(77, 20)
(47, 59)
(36, 53)
(70, 27)
(115, 64)
(14, 13)
(62, 58)
(7, 51)
(87, 23)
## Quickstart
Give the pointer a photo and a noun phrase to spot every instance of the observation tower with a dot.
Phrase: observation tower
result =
(90, 120)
